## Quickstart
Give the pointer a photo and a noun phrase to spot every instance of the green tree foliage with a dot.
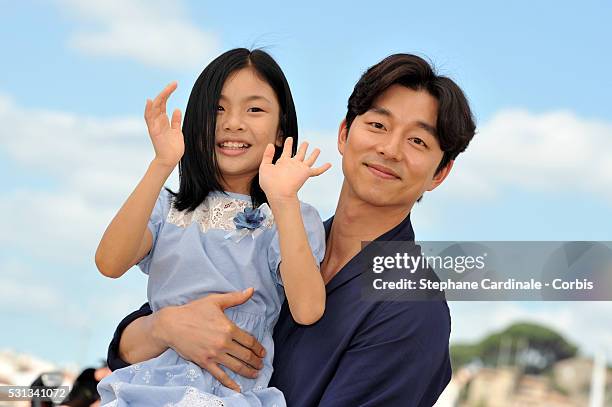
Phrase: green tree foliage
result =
(531, 346)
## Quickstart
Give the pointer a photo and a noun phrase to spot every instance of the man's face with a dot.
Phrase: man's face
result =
(390, 154)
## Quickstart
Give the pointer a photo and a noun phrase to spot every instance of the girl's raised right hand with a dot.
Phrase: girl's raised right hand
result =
(166, 135)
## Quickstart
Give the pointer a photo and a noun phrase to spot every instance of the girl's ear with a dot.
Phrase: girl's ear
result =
(279, 139)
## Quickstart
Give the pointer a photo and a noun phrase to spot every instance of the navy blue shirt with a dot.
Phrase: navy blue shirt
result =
(360, 353)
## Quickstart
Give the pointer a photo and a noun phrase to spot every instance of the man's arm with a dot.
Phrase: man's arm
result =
(399, 358)
(199, 331)
(114, 356)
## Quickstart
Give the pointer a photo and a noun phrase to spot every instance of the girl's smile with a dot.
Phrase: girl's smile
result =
(233, 148)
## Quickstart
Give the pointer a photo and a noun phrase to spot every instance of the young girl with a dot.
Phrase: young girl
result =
(217, 233)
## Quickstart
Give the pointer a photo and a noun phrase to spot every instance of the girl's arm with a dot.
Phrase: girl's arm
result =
(304, 286)
(127, 239)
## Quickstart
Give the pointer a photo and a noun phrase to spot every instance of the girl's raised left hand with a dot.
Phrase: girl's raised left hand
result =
(283, 179)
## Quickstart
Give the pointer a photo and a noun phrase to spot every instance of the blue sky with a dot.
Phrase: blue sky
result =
(75, 75)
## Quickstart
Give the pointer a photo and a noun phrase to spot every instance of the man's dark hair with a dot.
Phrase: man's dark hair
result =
(199, 172)
(455, 125)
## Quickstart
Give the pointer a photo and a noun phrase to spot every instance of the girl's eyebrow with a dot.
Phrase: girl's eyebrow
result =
(249, 98)
(256, 97)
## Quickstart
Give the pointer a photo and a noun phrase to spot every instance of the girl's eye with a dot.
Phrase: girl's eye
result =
(377, 125)
(255, 109)
(220, 108)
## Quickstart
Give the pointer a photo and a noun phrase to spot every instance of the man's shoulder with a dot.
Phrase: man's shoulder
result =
(427, 323)
(412, 310)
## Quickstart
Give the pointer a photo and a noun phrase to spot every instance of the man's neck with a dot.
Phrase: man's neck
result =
(356, 221)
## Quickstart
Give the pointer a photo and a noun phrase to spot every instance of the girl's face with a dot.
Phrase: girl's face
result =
(247, 120)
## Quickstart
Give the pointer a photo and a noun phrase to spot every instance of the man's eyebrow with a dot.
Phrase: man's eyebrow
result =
(249, 98)
(386, 112)
(380, 110)
(428, 128)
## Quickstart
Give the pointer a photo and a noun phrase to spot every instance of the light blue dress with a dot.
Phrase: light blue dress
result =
(195, 254)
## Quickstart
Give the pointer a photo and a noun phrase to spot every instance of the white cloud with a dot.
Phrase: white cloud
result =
(553, 151)
(77, 313)
(13, 295)
(95, 164)
(156, 33)
(25, 291)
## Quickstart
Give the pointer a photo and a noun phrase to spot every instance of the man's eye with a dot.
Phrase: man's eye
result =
(418, 141)
(255, 109)
(377, 125)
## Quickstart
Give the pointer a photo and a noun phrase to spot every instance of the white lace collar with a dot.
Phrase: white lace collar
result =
(216, 212)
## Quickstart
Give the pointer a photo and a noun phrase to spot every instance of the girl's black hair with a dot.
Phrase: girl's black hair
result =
(199, 172)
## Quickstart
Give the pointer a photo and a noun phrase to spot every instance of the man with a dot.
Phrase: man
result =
(404, 127)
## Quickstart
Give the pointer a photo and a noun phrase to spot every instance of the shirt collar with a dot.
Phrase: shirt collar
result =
(402, 232)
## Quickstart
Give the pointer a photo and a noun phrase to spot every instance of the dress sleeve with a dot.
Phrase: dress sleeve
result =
(403, 347)
(112, 359)
(159, 214)
(316, 238)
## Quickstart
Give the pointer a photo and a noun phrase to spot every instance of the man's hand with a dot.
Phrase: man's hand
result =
(200, 332)
(283, 179)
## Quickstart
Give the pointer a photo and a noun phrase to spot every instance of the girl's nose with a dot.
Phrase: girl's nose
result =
(232, 122)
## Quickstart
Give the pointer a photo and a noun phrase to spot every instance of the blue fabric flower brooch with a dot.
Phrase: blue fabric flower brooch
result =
(249, 222)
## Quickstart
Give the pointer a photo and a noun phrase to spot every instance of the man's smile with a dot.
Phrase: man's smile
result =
(382, 171)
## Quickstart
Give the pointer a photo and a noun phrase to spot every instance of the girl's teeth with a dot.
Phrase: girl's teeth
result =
(233, 145)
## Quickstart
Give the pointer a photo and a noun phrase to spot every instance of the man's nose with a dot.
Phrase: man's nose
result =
(391, 147)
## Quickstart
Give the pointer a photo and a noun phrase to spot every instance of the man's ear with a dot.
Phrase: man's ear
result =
(440, 176)
(342, 136)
